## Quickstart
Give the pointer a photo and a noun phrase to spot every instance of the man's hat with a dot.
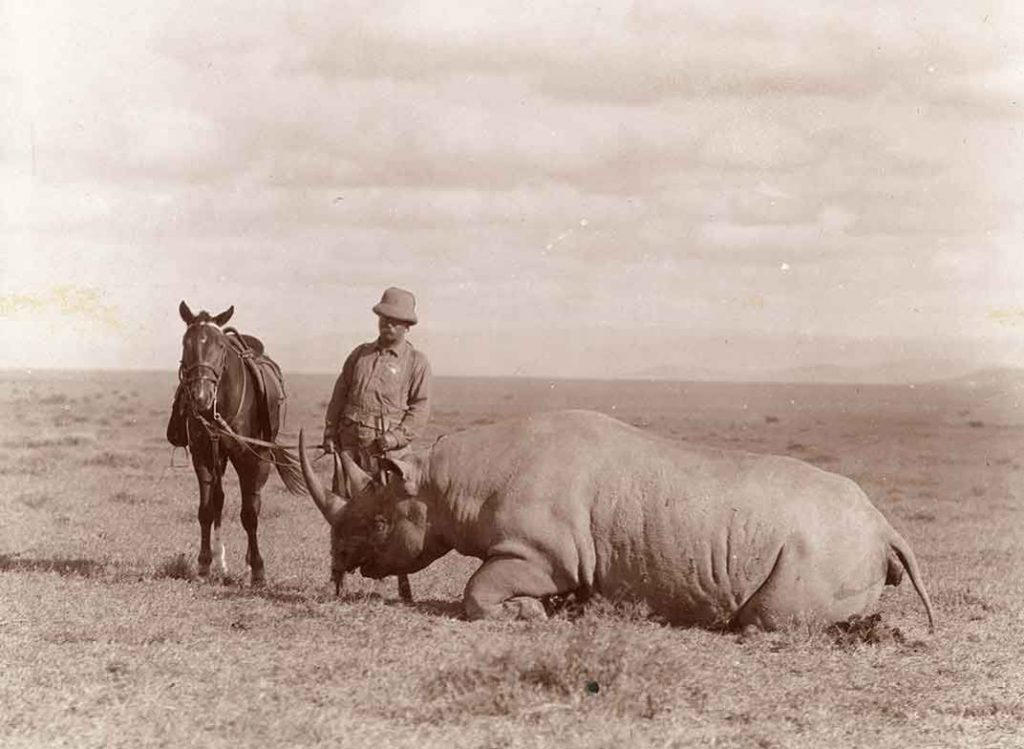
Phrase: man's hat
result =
(397, 304)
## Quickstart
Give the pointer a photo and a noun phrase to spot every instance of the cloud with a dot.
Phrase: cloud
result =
(309, 155)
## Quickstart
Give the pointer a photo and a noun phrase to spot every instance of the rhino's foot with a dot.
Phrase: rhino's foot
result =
(520, 607)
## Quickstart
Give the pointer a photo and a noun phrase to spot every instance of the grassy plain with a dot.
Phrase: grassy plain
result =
(104, 641)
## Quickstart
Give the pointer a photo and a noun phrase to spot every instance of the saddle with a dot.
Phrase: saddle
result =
(269, 381)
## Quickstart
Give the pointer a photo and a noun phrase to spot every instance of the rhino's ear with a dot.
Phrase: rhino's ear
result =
(407, 472)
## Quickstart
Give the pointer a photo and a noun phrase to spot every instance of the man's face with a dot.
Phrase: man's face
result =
(392, 331)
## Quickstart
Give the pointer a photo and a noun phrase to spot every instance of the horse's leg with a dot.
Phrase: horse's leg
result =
(206, 513)
(217, 510)
(252, 475)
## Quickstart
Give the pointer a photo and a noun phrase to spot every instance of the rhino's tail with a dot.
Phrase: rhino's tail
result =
(906, 556)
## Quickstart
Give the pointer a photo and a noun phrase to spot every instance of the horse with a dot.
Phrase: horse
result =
(227, 404)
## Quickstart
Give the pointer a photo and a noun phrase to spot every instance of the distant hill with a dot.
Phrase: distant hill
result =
(670, 373)
(905, 372)
(997, 379)
(911, 371)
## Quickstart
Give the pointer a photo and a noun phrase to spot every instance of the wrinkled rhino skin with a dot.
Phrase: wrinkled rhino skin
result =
(577, 502)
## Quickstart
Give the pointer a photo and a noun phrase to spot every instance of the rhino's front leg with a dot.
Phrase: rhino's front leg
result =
(507, 588)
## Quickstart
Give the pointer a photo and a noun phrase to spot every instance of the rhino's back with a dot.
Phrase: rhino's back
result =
(692, 530)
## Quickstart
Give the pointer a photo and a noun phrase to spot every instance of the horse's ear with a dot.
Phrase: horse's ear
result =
(224, 316)
(186, 313)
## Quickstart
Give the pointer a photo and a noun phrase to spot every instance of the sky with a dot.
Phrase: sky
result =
(573, 189)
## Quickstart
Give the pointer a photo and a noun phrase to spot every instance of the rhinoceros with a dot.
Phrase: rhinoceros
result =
(577, 502)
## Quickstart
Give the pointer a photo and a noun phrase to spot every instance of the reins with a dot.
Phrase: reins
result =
(223, 428)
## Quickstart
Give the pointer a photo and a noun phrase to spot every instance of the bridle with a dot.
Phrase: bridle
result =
(204, 371)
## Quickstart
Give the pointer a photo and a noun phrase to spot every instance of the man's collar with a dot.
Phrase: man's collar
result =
(397, 349)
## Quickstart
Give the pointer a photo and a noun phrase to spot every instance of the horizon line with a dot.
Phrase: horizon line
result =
(738, 380)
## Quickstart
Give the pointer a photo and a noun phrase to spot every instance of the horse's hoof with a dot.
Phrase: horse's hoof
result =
(203, 572)
(258, 579)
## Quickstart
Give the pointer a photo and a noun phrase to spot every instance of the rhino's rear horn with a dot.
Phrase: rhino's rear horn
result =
(356, 479)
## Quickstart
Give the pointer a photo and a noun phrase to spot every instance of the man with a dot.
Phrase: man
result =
(381, 399)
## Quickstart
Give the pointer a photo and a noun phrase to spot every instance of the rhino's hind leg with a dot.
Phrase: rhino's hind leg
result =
(759, 610)
(797, 591)
(787, 597)
(507, 588)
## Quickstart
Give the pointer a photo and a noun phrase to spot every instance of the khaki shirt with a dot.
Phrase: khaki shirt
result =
(375, 379)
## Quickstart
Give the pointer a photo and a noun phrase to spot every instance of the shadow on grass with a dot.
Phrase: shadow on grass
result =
(433, 607)
(63, 567)
(267, 593)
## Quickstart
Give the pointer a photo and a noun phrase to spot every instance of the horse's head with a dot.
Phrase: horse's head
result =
(204, 350)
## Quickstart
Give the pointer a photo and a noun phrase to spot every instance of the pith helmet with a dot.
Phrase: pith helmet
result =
(397, 304)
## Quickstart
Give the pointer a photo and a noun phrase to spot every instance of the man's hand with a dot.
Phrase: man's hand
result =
(328, 443)
(385, 442)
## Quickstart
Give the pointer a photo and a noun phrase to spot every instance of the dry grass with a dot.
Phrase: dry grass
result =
(107, 638)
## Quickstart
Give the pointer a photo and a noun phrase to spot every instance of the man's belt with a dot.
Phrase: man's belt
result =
(371, 419)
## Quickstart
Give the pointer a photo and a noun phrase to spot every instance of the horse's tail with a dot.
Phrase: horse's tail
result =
(289, 470)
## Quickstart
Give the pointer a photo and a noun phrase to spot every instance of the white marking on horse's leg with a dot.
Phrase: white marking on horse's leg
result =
(220, 556)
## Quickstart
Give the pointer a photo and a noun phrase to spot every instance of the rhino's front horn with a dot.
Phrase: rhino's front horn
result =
(330, 504)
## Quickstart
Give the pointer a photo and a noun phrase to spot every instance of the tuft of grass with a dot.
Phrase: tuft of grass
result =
(863, 630)
(803, 637)
(597, 665)
(33, 464)
(35, 499)
(176, 568)
(111, 459)
(598, 607)
(127, 498)
(964, 597)
(53, 440)
(771, 419)
(510, 681)
(63, 567)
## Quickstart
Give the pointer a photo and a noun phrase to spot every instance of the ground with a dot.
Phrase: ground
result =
(106, 640)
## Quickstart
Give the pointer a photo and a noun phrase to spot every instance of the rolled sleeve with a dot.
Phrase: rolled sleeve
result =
(340, 393)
